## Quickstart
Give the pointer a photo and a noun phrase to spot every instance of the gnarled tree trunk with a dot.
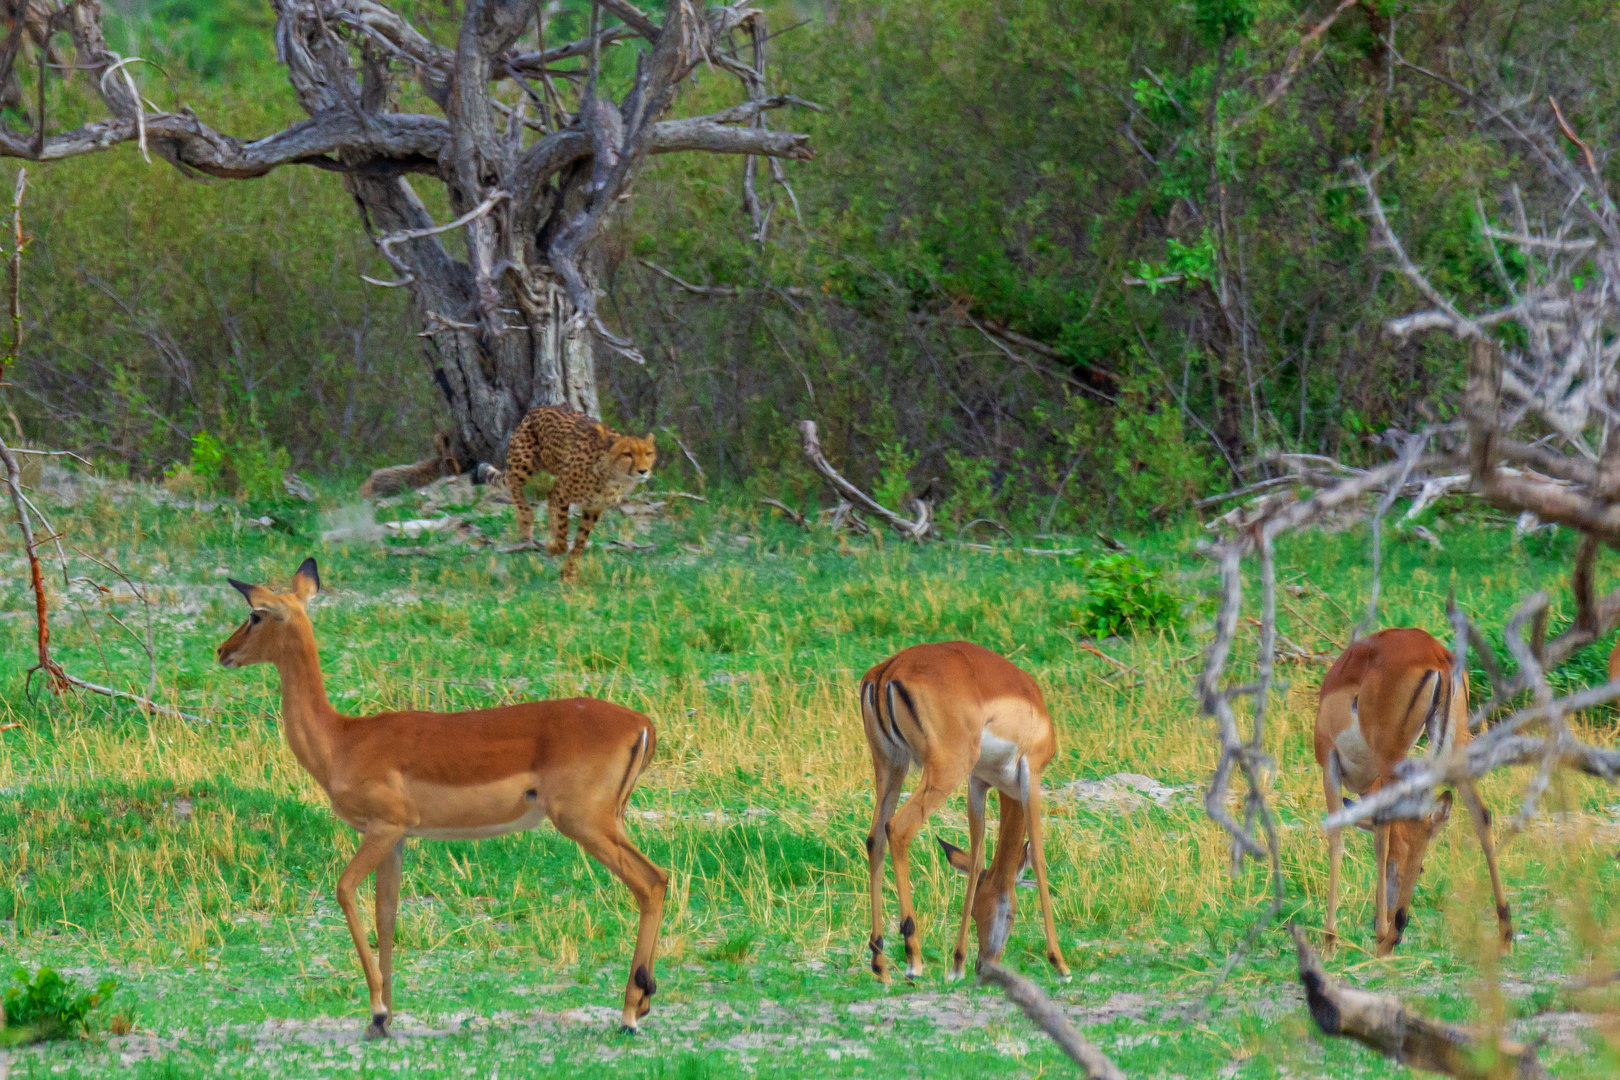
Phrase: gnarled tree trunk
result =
(534, 153)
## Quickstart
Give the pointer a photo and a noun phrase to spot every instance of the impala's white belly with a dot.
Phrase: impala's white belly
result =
(998, 764)
(533, 818)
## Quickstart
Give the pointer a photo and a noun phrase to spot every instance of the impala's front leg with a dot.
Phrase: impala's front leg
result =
(1037, 848)
(1482, 829)
(978, 790)
(375, 845)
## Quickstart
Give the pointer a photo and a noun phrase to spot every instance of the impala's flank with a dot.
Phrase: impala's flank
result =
(961, 712)
(1377, 698)
(453, 776)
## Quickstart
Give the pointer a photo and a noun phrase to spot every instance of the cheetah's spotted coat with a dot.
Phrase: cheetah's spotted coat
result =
(594, 467)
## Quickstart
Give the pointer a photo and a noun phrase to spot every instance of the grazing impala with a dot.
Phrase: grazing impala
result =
(1376, 699)
(962, 713)
(454, 776)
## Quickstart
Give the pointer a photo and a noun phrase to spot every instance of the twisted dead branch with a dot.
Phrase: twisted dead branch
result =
(1046, 1015)
(1397, 1032)
(1538, 433)
(911, 530)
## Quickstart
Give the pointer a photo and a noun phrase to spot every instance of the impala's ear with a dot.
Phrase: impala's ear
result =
(245, 589)
(956, 857)
(1363, 824)
(307, 582)
(1440, 814)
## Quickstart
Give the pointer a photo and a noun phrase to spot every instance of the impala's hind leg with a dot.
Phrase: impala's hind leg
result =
(939, 779)
(605, 841)
(1037, 851)
(887, 781)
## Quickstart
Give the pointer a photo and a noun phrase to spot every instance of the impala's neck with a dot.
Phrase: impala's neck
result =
(307, 716)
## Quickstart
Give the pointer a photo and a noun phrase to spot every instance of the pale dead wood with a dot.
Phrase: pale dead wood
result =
(1045, 1014)
(1384, 1024)
(911, 530)
(788, 511)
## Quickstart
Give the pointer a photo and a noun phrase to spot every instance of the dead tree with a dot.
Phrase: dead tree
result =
(1539, 433)
(533, 150)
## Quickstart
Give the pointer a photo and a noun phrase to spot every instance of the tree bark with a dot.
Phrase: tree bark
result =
(514, 324)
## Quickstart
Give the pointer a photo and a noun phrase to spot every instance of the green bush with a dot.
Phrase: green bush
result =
(250, 468)
(1126, 596)
(47, 1007)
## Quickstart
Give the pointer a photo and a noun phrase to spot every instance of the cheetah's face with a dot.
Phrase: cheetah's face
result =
(630, 458)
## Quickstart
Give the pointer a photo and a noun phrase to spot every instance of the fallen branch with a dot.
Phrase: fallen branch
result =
(1384, 1024)
(792, 514)
(1045, 1014)
(911, 530)
(55, 678)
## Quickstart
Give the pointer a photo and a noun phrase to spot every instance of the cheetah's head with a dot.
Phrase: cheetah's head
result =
(630, 459)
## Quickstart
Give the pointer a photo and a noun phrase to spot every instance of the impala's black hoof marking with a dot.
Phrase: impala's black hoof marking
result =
(378, 1028)
(645, 982)
(626, 1029)
(908, 928)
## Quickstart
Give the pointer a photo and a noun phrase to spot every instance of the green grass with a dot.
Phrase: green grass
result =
(743, 637)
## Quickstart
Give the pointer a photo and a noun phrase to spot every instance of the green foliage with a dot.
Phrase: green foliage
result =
(1126, 596)
(250, 468)
(48, 1006)
(895, 463)
(1158, 473)
(1224, 19)
(971, 488)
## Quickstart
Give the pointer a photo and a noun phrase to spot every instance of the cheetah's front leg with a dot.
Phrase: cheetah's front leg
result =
(557, 509)
(587, 521)
(517, 477)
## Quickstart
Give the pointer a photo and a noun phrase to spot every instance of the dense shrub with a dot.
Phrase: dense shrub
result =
(1125, 596)
(47, 1006)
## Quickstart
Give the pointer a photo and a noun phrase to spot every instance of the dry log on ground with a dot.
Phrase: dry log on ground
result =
(1384, 1024)
(394, 479)
(1047, 1016)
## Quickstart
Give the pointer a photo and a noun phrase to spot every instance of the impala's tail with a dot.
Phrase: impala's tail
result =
(641, 752)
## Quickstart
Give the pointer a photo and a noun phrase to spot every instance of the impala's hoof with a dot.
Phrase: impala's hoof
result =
(378, 1028)
(627, 1029)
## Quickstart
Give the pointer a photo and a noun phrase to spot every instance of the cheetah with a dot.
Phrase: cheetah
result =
(594, 467)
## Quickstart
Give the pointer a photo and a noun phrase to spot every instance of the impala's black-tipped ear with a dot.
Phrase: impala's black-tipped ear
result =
(307, 582)
(956, 857)
(244, 588)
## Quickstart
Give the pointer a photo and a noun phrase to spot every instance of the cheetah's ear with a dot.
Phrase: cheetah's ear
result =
(651, 441)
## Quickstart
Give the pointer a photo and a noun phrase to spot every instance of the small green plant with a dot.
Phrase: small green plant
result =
(972, 488)
(1126, 596)
(252, 468)
(47, 1006)
(894, 481)
(735, 949)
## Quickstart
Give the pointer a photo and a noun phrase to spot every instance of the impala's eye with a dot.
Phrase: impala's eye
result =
(254, 619)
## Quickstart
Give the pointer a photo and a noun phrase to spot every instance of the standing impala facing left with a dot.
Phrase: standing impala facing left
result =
(454, 776)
